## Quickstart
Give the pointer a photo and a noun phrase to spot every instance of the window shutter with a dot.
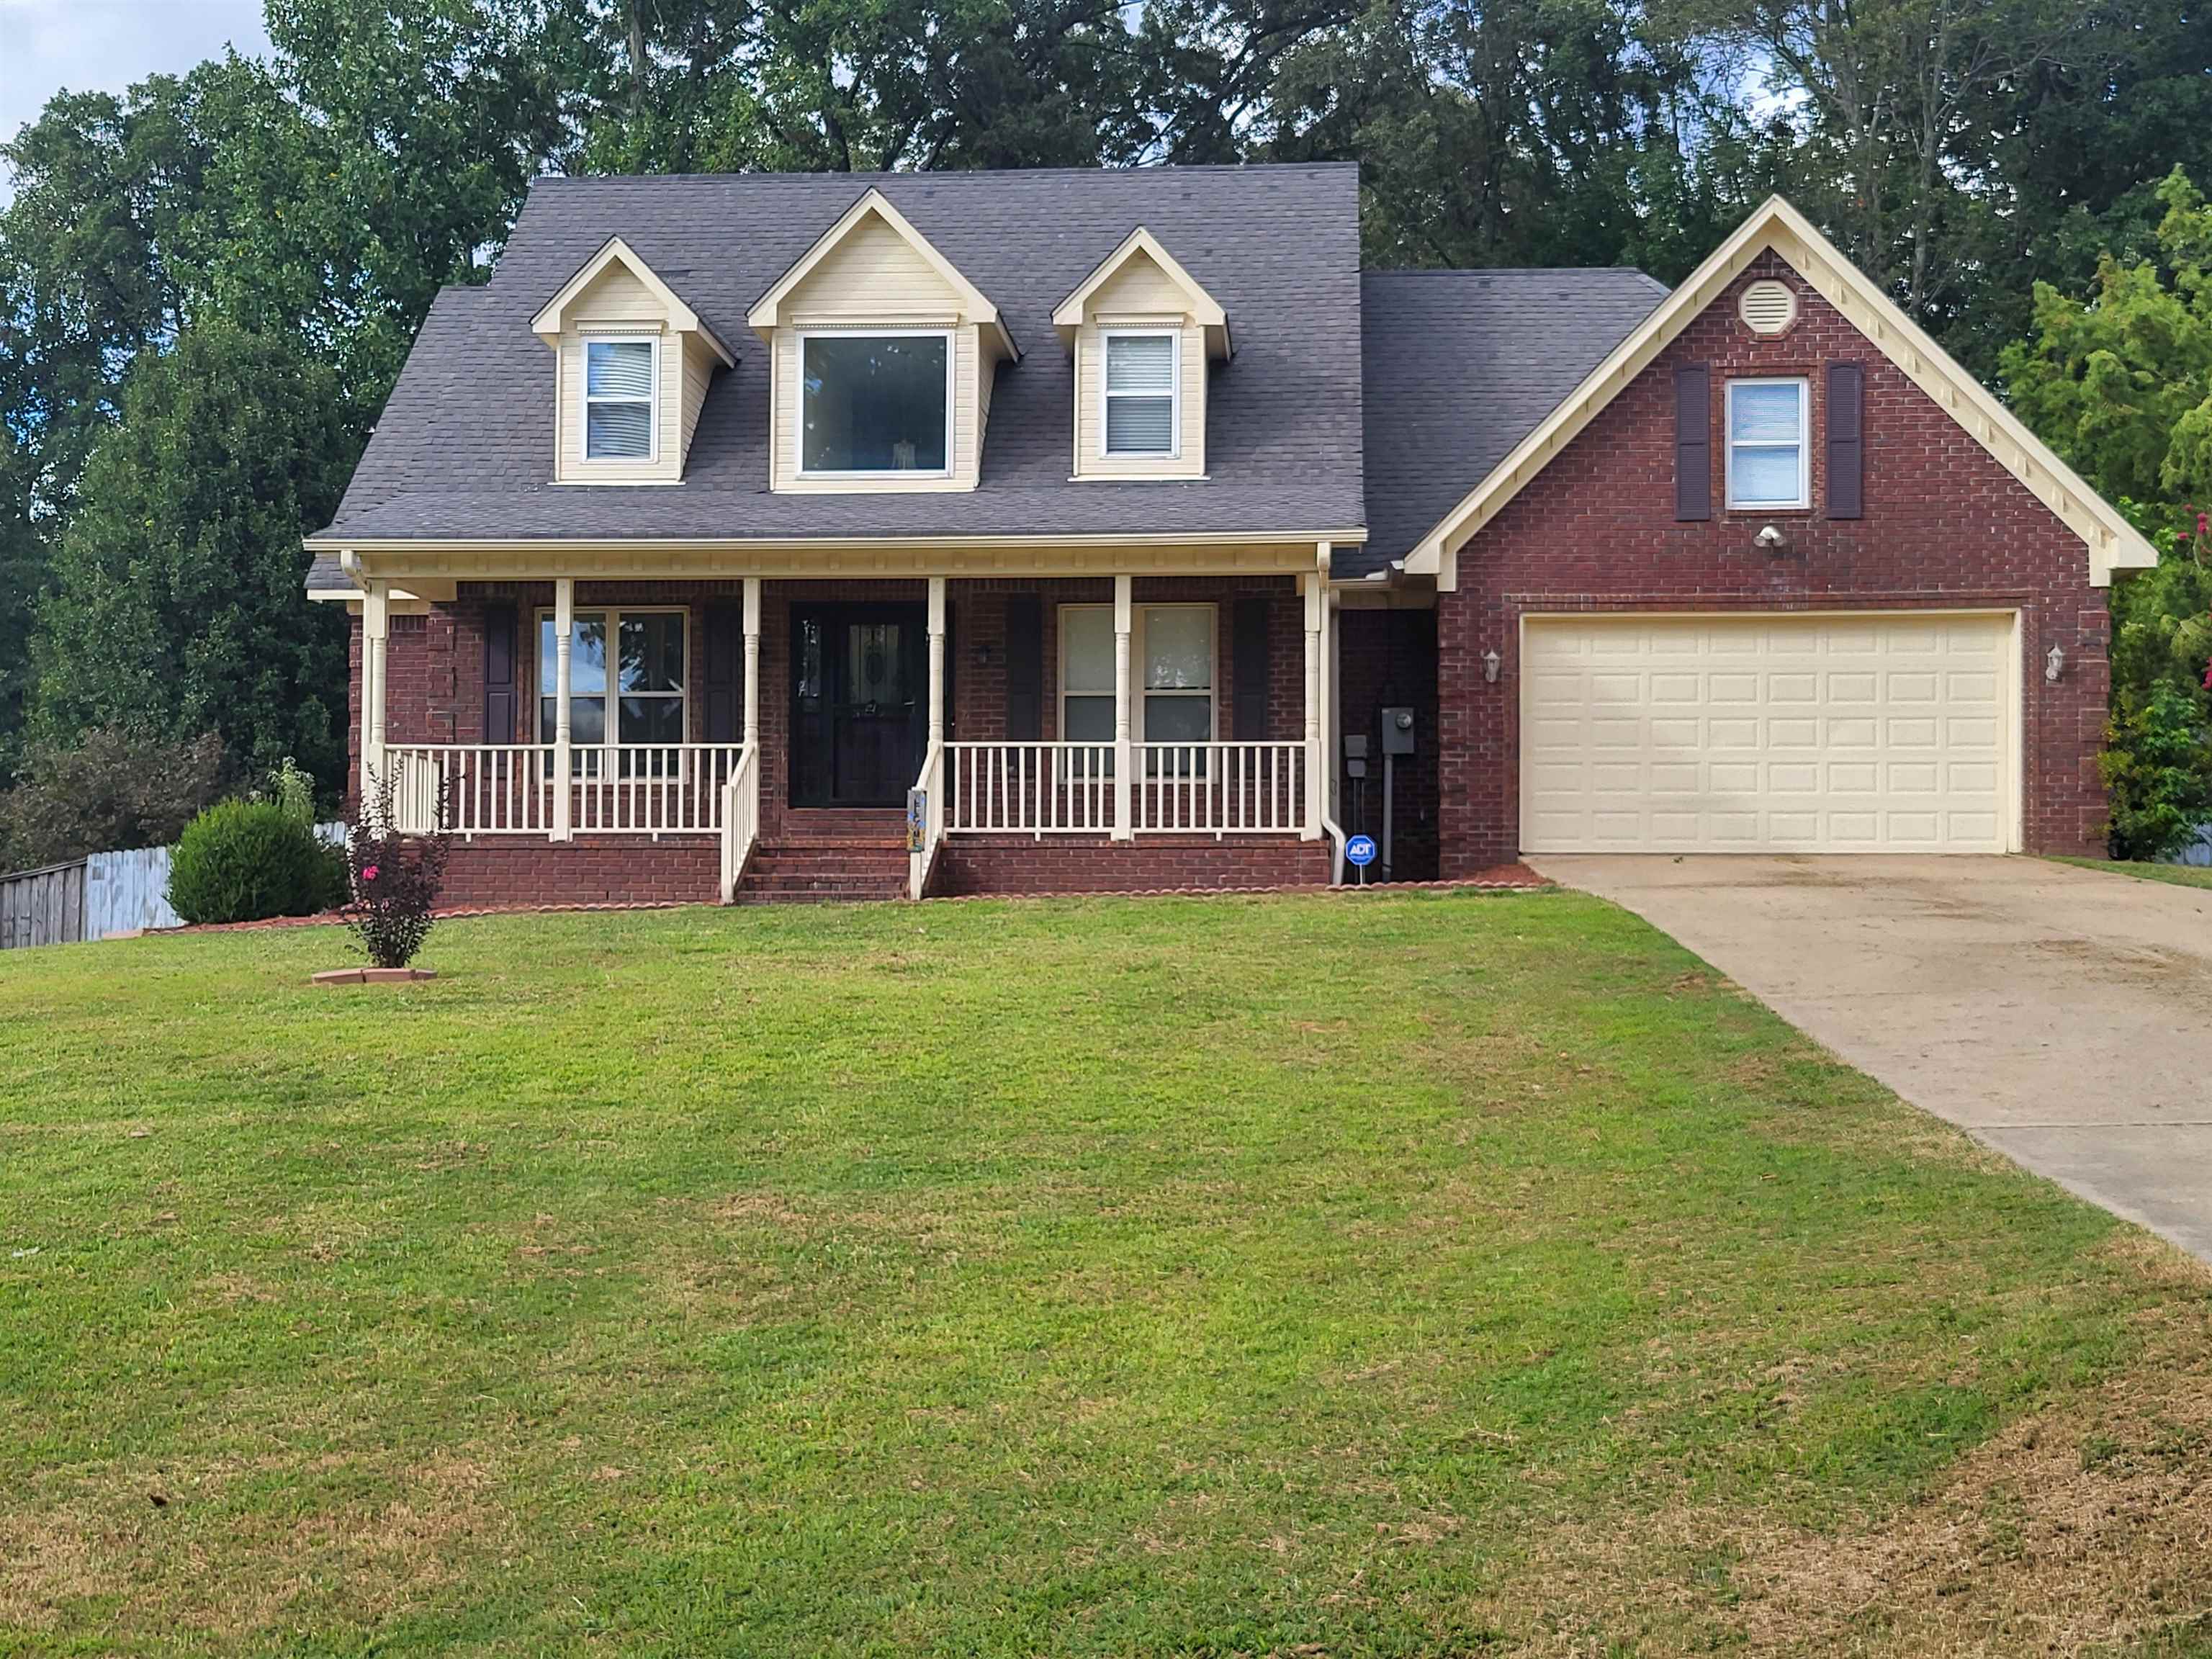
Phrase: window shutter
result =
(726, 692)
(499, 673)
(1025, 668)
(1846, 441)
(1694, 442)
(1249, 646)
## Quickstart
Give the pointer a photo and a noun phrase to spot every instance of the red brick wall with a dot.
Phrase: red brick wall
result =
(1068, 864)
(613, 870)
(1945, 526)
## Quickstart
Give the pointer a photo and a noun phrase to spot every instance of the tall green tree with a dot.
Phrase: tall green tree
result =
(176, 605)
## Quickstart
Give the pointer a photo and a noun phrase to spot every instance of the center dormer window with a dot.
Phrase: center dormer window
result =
(1141, 374)
(875, 402)
(618, 400)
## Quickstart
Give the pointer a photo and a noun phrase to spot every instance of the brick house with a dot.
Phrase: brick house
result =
(778, 536)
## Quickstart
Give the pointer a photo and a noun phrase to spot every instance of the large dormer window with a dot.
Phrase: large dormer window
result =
(1140, 416)
(619, 413)
(875, 402)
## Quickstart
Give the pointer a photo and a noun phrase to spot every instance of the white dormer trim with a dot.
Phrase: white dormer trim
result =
(768, 314)
(548, 325)
(1203, 308)
(2112, 543)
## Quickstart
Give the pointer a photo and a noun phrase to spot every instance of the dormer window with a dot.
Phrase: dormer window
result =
(1142, 383)
(875, 402)
(620, 411)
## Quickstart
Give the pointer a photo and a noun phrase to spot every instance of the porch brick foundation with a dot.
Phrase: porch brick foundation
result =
(973, 865)
(609, 870)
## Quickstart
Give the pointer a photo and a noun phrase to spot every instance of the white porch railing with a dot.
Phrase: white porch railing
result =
(740, 818)
(929, 790)
(1219, 789)
(1029, 788)
(511, 789)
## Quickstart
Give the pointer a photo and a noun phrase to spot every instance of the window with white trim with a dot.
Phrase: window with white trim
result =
(1172, 659)
(620, 400)
(875, 403)
(648, 700)
(1142, 393)
(1769, 444)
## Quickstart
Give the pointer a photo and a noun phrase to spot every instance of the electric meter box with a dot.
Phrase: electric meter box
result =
(1397, 730)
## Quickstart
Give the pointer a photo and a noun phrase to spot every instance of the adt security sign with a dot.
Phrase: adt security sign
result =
(1359, 853)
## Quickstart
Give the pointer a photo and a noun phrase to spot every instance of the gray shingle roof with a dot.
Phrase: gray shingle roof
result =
(464, 448)
(1460, 366)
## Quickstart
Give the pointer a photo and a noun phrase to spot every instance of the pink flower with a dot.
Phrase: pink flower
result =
(369, 874)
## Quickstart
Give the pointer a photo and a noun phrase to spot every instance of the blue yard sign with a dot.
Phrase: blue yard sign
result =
(1359, 851)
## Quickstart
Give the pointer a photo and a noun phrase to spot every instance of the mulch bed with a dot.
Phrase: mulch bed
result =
(1503, 875)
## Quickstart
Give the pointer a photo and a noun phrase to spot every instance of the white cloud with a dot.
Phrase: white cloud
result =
(105, 45)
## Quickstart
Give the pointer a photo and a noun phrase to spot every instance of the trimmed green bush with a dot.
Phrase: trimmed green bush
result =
(241, 861)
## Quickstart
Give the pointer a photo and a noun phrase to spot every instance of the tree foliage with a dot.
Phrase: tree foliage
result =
(107, 790)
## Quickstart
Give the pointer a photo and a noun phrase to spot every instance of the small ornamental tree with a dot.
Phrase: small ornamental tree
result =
(395, 879)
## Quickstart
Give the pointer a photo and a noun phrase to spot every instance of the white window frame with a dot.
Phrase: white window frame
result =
(613, 693)
(1174, 451)
(1137, 615)
(1803, 499)
(800, 468)
(585, 401)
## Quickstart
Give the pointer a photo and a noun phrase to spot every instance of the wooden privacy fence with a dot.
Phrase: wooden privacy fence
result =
(96, 896)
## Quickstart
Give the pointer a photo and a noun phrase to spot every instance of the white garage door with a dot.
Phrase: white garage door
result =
(1767, 733)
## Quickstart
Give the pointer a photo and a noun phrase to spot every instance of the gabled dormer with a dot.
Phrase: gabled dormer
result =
(882, 356)
(631, 366)
(1143, 332)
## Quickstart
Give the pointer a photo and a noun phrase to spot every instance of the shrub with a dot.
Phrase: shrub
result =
(2158, 769)
(241, 861)
(107, 792)
(395, 880)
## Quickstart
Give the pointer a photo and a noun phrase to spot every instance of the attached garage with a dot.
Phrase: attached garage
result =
(1880, 733)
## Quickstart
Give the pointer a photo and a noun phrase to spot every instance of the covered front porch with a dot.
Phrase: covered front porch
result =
(803, 736)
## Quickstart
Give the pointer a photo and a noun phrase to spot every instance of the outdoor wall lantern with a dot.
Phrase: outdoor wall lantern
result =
(1491, 661)
(2054, 664)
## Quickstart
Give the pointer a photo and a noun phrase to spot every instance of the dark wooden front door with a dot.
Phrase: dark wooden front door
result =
(859, 716)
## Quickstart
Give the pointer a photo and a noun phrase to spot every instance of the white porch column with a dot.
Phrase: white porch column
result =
(752, 661)
(1124, 750)
(936, 660)
(1316, 597)
(375, 633)
(564, 626)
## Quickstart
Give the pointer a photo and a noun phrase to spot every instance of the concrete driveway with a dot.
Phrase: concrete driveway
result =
(2062, 1015)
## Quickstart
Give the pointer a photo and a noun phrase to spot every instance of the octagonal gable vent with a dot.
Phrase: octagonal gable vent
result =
(1767, 307)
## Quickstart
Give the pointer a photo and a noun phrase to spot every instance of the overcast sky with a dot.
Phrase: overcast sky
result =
(104, 45)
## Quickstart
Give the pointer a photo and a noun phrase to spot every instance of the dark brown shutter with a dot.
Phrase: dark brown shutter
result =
(499, 673)
(1693, 442)
(1846, 441)
(726, 691)
(1024, 668)
(1248, 649)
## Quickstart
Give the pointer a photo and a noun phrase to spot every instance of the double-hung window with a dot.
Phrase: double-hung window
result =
(1141, 393)
(1171, 654)
(620, 402)
(645, 704)
(1769, 445)
(877, 402)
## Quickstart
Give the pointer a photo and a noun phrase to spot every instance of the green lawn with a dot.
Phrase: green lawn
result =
(1428, 1274)
(2181, 875)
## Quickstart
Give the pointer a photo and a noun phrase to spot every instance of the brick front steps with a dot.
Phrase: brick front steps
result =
(826, 869)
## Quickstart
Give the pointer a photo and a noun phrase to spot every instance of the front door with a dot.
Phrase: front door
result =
(859, 703)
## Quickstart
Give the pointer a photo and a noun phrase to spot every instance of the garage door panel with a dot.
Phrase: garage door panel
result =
(1773, 733)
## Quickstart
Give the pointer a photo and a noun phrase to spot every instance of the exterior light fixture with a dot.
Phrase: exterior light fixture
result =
(1490, 662)
(2054, 663)
(1770, 539)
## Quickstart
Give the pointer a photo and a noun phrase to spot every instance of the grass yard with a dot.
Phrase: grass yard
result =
(1427, 1274)
(2181, 875)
